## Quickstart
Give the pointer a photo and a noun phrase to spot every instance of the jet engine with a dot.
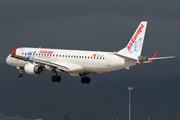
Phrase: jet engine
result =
(32, 69)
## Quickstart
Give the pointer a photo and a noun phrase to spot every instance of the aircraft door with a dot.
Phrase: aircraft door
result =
(108, 59)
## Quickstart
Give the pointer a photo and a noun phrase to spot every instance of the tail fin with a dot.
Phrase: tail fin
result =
(134, 47)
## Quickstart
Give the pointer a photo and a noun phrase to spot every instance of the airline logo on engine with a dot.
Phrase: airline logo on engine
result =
(133, 40)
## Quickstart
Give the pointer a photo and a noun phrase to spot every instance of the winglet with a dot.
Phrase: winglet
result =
(14, 52)
(153, 57)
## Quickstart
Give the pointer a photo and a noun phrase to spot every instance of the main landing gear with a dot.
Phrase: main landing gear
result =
(56, 78)
(86, 80)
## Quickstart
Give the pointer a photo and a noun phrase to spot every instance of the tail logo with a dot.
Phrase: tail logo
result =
(137, 45)
(133, 40)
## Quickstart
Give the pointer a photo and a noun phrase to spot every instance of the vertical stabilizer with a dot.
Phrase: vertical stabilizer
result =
(134, 47)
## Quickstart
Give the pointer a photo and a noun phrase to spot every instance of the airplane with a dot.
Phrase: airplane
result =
(79, 63)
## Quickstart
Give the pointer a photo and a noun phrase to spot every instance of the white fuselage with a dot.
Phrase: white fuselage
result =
(90, 61)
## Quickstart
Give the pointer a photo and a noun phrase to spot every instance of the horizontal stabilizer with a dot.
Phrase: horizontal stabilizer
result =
(157, 58)
(161, 58)
(149, 60)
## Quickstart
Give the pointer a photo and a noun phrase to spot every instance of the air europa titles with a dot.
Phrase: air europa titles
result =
(135, 37)
(46, 52)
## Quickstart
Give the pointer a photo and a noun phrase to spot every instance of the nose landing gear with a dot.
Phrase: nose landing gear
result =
(19, 75)
(20, 72)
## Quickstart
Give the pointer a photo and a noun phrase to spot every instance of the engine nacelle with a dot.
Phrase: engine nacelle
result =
(32, 69)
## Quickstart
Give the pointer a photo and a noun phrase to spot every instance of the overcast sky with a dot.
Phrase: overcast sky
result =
(105, 25)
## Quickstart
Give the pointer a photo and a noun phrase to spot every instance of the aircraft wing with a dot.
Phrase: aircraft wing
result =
(42, 63)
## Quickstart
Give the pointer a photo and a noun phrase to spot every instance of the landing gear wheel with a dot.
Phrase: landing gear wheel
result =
(20, 75)
(88, 80)
(53, 78)
(83, 80)
(58, 79)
